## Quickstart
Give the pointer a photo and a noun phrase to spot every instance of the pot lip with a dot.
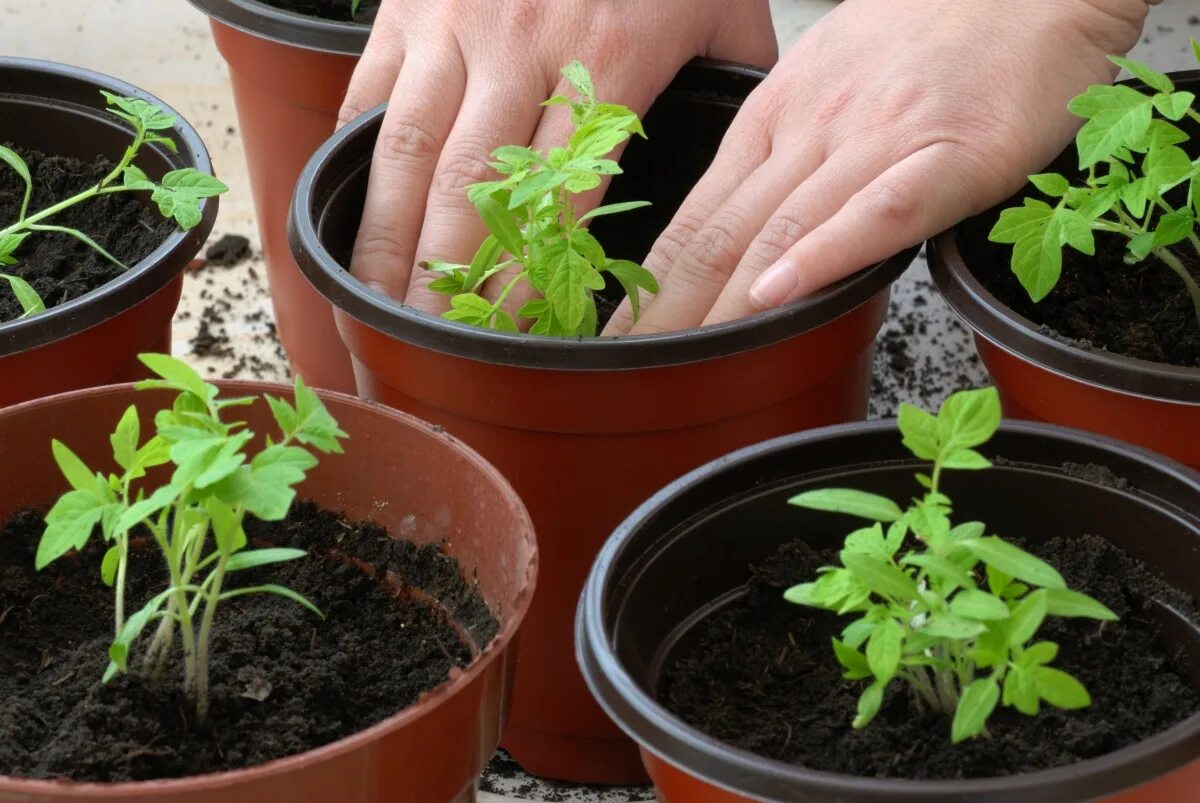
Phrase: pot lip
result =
(396, 320)
(427, 702)
(668, 737)
(288, 27)
(1014, 333)
(147, 276)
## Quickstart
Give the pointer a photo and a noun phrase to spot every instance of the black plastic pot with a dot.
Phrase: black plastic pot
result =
(289, 74)
(685, 554)
(1045, 378)
(93, 339)
(620, 416)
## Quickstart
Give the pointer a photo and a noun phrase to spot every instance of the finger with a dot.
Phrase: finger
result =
(893, 212)
(743, 150)
(376, 72)
(420, 114)
(812, 203)
(492, 115)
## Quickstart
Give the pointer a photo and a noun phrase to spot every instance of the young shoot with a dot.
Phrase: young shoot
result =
(946, 609)
(177, 196)
(531, 214)
(1130, 150)
(195, 518)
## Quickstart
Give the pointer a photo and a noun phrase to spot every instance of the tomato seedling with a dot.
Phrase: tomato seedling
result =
(177, 196)
(954, 615)
(1129, 147)
(195, 519)
(534, 228)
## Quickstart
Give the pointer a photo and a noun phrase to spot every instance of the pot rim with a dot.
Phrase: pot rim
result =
(404, 323)
(288, 27)
(147, 276)
(667, 736)
(427, 702)
(998, 323)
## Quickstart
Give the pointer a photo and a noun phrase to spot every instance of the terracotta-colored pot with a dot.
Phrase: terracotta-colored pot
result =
(289, 74)
(1044, 378)
(586, 429)
(400, 472)
(686, 554)
(93, 339)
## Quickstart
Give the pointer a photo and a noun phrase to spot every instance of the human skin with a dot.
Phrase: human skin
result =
(887, 122)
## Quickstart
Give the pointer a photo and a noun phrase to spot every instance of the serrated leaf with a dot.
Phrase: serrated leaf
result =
(850, 501)
(920, 431)
(966, 460)
(976, 705)
(1150, 77)
(470, 308)
(968, 418)
(1118, 116)
(1173, 227)
(579, 77)
(69, 525)
(1166, 167)
(633, 278)
(1052, 184)
(1174, 106)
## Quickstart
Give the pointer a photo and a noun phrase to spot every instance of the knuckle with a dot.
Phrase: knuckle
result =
(378, 245)
(782, 232)
(892, 203)
(406, 141)
(717, 247)
(522, 17)
(676, 237)
(458, 170)
(352, 107)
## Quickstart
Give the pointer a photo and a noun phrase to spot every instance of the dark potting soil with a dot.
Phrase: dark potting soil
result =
(331, 9)
(1140, 311)
(762, 677)
(59, 266)
(283, 681)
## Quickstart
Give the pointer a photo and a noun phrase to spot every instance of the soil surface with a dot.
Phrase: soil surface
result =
(59, 266)
(762, 677)
(283, 681)
(1140, 311)
(331, 9)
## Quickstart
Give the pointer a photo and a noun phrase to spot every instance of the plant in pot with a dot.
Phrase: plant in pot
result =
(555, 402)
(223, 640)
(290, 62)
(1084, 295)
(92, 247)
(921, 657)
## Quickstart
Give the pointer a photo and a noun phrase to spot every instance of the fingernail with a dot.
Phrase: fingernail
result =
(775, 286)
(378, 287)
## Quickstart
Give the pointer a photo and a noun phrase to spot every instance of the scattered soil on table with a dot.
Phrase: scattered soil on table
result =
(331, 9)
(762, 677)
(230, 250)
(283, 681)
(1140, 311)
(59, 266)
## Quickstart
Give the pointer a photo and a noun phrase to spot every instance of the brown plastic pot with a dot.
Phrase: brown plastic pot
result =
(586, 429)
(289, 74)
(93, 339)
(686, 554)
(1044, 378)
(400, 472)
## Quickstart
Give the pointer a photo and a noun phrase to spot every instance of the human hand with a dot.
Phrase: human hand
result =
(885, 124)
(466, 76)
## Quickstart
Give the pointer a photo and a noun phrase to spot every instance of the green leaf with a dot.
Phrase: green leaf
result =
(940, 569)
(1015, 562)
(108, 566)
(868, 705)
(9, 243)
(613, 209)
(1174, 227)
(315, 425)
(177, 375)
(226, 525)
(69, 525)
(1037, 654)
(1026, 618)
(883, 650)
(967, 419)
(975, 604)
(125, 438)
(31, 303)
(1021, 692)
(143, 114)
(1052, 184)
(470, 308)
(265, 486)
(485, 259)
(1060, 689)
(1151, 78)
(966, 459)
(976, 705)
(1166, 167)
(579, 77)
(141, 510)
(537, 184)
(632, 276)
(252, 558)
(852, 502)
(1175, 105)
(180, 193)
(568, 291)
(880, 577)
(271, 588)
(855, 662)
(14, 160)
(501, 224)
(1064, 602)
(134, 178)
(75, 470)
(1118, 116)
(920, 431)
(944, 625)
